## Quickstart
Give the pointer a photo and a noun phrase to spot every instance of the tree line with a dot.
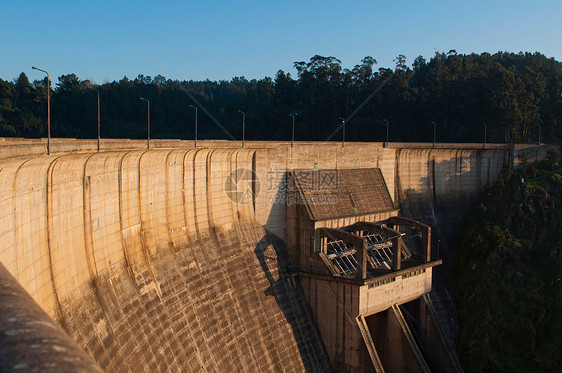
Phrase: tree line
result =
(512, 94)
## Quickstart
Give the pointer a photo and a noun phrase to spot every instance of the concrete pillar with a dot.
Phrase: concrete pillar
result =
(362, 261)
(426, 242)
(396, 253)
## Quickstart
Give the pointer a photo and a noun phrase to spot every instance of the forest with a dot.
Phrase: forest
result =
(503, 96)
(506, 269)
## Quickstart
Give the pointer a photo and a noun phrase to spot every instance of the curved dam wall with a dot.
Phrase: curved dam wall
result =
(149, 266)
(438, 186)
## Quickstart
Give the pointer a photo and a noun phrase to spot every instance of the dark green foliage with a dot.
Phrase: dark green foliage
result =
(20, 108)
(512, 93)
(508, 267)
(552, 157)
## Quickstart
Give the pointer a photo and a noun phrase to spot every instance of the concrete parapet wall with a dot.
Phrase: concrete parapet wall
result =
(29, 339)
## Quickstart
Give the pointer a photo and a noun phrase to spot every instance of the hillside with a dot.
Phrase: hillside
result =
(507, 268)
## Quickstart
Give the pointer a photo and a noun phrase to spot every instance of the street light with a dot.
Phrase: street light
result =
(195, 123)
(386, 121)
(484, 124)
(148, 121)
(48, 110)
(434, 131)
(539, 143)
(343, 132)
(243, 126)
(293, 133)
(98, 119)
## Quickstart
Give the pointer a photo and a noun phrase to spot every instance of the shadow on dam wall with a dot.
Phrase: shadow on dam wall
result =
(275, 262)
(438, 187)
(149, 266)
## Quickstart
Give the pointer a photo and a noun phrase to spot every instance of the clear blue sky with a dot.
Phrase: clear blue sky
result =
(106, 40)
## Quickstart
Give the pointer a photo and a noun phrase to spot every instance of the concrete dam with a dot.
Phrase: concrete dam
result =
(184, 259)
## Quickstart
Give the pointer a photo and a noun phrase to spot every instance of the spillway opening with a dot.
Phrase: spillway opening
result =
(407, 339)
(393, 347)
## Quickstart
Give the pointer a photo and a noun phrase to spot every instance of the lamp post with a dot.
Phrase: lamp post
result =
(98, 119)
(148, 121)
(293, 133)
(343, 132)
(243, 127)
(485, 127)
(539, 143)
(434, 132)
(48, 110)
(195, 107)
(386, 121)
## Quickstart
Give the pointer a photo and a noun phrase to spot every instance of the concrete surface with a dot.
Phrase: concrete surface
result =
(30, 341)
(147, 264)
(145, 261)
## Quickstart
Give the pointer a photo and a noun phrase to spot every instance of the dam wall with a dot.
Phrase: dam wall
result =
(153, 260)
(423, 180)
(148, 265)
(438, 186)
(433, 185)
